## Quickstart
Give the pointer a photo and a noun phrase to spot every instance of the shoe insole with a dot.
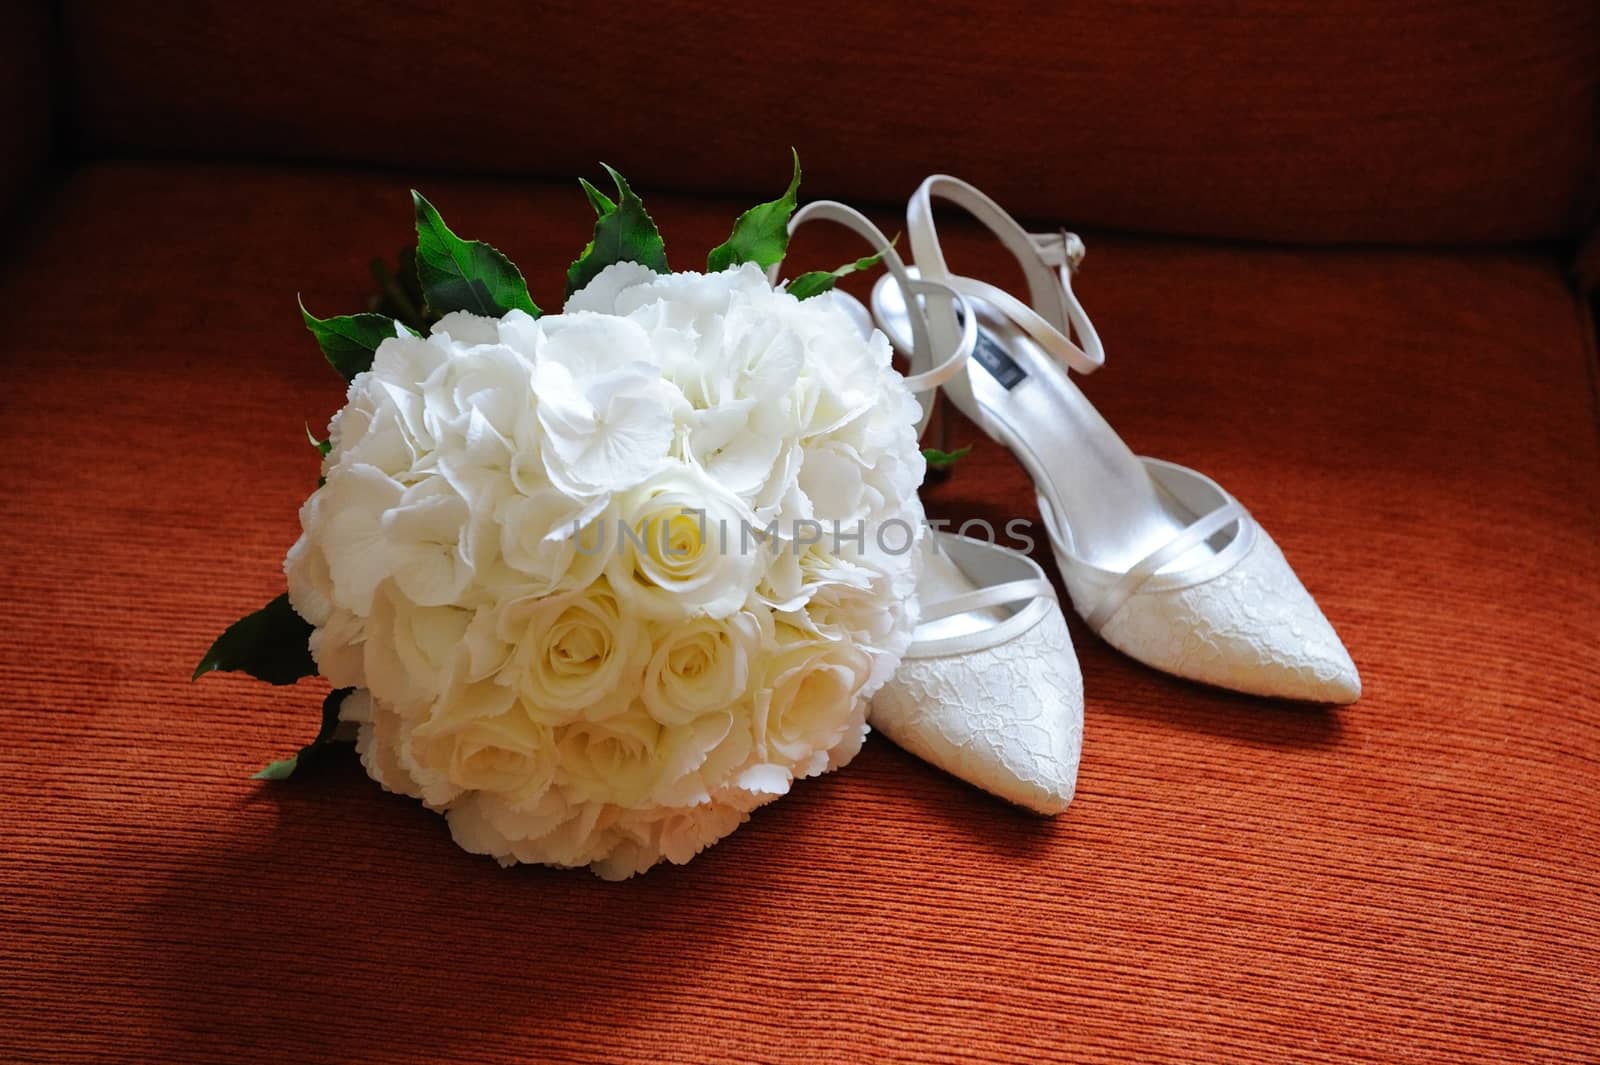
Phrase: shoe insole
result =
(1116, 514)
(942, 579)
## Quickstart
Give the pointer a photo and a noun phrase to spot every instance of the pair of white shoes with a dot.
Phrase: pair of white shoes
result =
(1158, 559)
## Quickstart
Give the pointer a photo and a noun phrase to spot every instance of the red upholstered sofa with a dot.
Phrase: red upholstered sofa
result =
(1331, 252)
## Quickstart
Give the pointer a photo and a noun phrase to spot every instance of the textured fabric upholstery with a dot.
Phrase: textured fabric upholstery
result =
(26, 49)
(1411, 878)
(1359, 121)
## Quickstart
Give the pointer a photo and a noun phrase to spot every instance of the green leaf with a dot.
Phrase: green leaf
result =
(464, 275)
(348, 341)
(811, 283)
(602, 204)
(817, 282)
(284, 768)
(761, 234)
(273, 645)
(623, 233)
(943, 460)
(322, 446)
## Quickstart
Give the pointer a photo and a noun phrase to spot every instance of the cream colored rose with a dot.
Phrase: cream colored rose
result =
(681, 548)
(612, 761)
(577, 654)
(701, 665)
(804, 707)
(508, 755)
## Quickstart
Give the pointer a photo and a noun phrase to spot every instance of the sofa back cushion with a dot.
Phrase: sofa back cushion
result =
(27, 52)
(1300, 120)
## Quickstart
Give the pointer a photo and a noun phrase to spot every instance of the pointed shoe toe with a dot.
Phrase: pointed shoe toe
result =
(1253, 628)
(1007, 718)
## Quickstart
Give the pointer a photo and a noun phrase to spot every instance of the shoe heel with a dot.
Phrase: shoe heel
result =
(937, 435)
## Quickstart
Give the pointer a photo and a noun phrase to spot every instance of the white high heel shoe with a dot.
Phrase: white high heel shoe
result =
(1159, 560)
(989, 690)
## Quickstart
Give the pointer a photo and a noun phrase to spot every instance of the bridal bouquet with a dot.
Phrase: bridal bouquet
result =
(597, 584)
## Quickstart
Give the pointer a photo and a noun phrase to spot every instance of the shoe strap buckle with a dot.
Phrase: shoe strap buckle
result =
(1060, 249)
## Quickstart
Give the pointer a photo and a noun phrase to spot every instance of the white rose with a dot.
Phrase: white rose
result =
(424, 747)
(683, 547)
(612, 761)
(701, 665)
(576, 654)
(550, 829)
(508, 755)
(807, 700)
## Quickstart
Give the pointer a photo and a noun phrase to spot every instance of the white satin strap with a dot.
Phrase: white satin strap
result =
(1128, 585)
(995, 595)
(1047, 336)
(1047, 259)
(924, 382)
(926, 374)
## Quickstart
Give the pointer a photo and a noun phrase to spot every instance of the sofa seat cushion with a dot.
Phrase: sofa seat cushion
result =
(1412, 876)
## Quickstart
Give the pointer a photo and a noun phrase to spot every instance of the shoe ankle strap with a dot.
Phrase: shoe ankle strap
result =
(1048, 262)
(926, 374)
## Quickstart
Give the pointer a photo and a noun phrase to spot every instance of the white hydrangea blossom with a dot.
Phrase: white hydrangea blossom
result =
(563, 691)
